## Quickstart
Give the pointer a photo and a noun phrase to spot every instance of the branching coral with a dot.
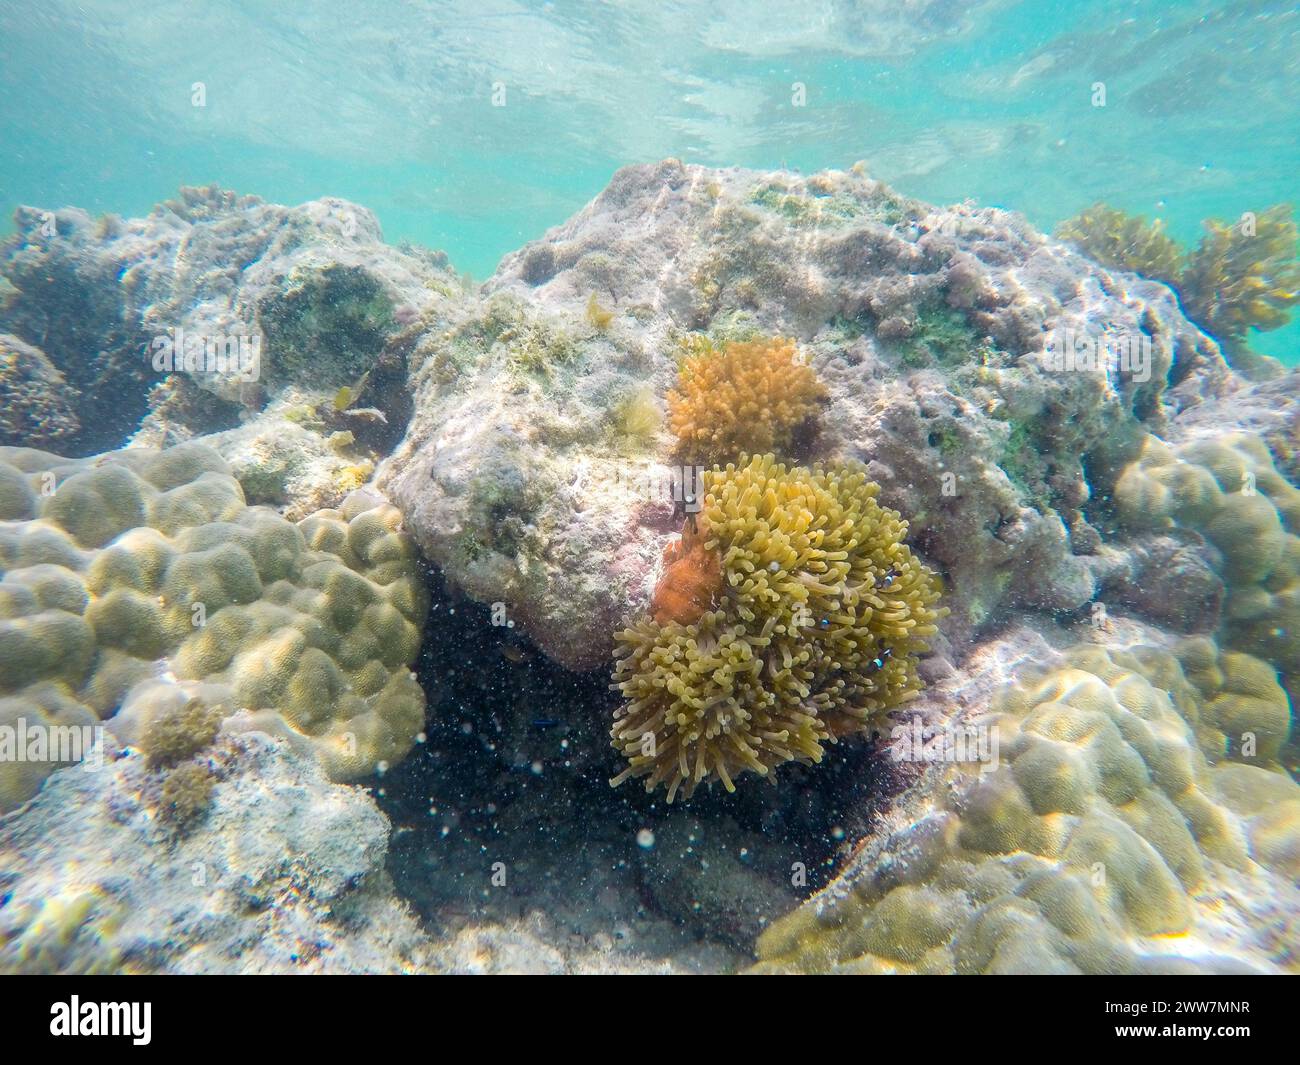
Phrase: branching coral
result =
(809, 632)
(745, 397)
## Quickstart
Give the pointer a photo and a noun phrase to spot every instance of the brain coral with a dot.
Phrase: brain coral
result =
(132, 577)
(750, 397)
(1227, 490)
(1102, 841)
(812, 630)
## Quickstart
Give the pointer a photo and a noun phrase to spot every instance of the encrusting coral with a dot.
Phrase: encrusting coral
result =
(791, 615)
(1242, 275)
(1100, 840)
(139, 583)
(747, 397)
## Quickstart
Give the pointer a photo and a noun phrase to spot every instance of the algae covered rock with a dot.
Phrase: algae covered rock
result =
(283, 873)
(308, 296)
(140, 579)
(36, 404)
(1099, 839)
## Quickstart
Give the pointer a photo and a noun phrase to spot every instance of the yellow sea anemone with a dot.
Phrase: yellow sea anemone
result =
(812, 632)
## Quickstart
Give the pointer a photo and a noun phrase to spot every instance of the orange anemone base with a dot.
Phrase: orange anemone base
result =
(691, 581)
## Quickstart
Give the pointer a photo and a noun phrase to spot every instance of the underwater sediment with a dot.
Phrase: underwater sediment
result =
(1116, 540)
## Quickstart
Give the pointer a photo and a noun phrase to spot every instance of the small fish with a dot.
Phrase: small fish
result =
(545, 722)
(878, 663)
(513, 653)
(348, 394)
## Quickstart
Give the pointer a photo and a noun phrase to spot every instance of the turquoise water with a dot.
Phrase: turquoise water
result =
(391, 105)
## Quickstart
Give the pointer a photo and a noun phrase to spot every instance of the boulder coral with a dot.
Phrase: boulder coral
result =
(1226, 490)
(811, 632)
(1100, 840)
(139, 582)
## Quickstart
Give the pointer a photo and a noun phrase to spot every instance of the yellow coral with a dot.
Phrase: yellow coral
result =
(1243, 275)
(750, 397)
(820, 614)
(140, 555)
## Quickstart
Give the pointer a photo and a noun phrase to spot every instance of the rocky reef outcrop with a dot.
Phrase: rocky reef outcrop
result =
(207, 307)
(940, 335)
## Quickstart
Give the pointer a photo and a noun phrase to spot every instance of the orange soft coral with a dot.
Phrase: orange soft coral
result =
(745, 397)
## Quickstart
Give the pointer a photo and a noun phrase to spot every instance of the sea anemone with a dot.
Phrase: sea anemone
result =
(789, 615)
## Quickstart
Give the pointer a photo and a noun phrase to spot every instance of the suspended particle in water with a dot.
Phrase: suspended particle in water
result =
(645, 839)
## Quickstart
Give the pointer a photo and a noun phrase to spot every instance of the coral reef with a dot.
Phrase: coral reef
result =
(138, 582)
(820, 613)
(745, 398)
(1242, 275)
(927, 328)
(1100, 839)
